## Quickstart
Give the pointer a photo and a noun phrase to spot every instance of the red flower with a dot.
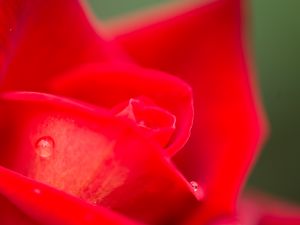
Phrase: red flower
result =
(91, 125)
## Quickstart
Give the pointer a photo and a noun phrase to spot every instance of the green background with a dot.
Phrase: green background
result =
(276, 42)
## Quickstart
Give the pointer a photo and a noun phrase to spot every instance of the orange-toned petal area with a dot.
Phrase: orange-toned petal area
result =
(47, 206)
(260, 209)
(109, 85)
(40, 39)
(205, 47)
(88, 153)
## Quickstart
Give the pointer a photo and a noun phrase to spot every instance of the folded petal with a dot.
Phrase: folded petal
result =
(108, 85)
(88, 153)
(39, 39)
(205, 46)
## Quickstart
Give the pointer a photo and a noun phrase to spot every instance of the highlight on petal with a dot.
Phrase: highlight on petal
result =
(41, 39)
(89, 153)
(205, 46)
(109, 85)
(258, 208)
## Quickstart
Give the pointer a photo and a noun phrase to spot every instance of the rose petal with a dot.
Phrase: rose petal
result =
(205, 47)
(112, 161)
(48, 206)
(108, 85)
(10, 214)
(159, 123)
(41, 39)
(257, 208)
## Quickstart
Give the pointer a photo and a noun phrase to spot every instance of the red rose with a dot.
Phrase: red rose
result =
(91, 125)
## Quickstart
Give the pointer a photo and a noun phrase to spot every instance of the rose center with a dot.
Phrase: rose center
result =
(154, 121)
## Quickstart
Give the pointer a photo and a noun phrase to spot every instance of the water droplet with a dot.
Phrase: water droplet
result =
(198, 190)
(44, 147)
(194, 185)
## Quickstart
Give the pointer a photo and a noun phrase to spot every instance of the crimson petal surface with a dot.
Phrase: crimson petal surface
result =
(205, 46)
(128, 173)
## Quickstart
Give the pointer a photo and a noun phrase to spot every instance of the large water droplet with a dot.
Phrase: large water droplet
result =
(44, 147)
(194, 185)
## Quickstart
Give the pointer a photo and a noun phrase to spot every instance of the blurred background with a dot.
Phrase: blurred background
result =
(276, 43)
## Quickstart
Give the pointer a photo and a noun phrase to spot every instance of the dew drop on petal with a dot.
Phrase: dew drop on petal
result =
(44, 147)
(194, 185)
(198, 190)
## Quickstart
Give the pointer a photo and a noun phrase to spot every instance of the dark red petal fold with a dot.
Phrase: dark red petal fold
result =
(92, 155)
(40, 39)
(11, 214)
(108, 85)
(205, 46)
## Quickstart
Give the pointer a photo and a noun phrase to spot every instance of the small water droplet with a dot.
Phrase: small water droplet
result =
(198, 190)
(194, 185)
(44, 147)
